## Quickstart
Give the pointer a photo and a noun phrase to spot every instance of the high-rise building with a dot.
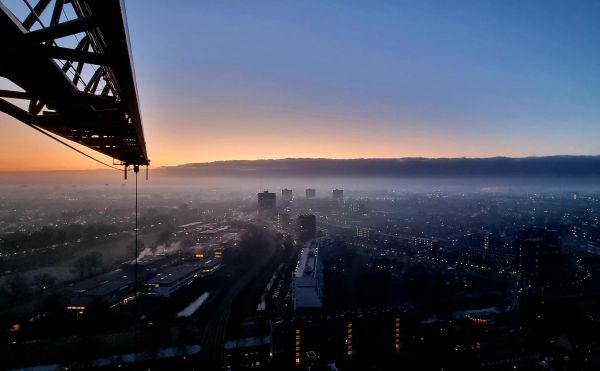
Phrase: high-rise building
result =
(348, 340)
(338, 195)
(538, 258)
(286, 194)
(307, 227)
(311, 193)
(397, 343)
(267, 202)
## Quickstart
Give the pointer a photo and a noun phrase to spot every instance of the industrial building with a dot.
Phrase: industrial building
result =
(112, 288)
(171, 279)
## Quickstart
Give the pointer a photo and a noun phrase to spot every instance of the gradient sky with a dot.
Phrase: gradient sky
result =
(223, 80)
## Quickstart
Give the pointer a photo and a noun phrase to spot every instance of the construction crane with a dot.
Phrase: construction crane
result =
(71, 61)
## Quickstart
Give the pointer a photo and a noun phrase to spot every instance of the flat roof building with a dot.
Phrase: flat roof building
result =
(171, 279)
(307, 227)
(539, 258)
(267, 202)
(338, 195)
(286, 194)
(307, 288)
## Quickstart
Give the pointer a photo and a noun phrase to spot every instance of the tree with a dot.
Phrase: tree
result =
(163, 237)
(87, 265)
(43, 281)
(17, 287)
(79, 267)
(93, 262)
(187, 243)
(131, 247)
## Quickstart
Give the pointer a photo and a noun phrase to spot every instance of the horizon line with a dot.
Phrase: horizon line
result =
(303, 158)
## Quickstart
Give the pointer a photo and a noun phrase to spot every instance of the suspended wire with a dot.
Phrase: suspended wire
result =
(136, 289)
(135, 169)
(70, 146)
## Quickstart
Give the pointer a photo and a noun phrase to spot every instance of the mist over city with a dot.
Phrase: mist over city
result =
(485, 272)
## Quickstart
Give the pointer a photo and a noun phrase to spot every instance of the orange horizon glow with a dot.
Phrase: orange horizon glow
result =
(22, 149)
(224, 81)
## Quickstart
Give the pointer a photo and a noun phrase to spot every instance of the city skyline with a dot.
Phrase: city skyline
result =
(225, 81)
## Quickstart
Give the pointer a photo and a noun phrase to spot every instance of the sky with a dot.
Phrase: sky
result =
(222, 80)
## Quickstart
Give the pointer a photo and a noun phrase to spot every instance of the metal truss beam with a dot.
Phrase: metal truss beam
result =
(98, 108)
(59, 30)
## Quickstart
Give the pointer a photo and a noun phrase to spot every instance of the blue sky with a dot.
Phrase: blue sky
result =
(524, 73)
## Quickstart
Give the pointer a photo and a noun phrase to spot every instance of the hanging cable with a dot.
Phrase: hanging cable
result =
(136, 170)
(70, 146)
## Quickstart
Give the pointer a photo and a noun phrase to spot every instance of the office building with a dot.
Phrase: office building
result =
(539, 259)
(338, 195)
(286, 195)
(311, 193)
(363, 233)
(267, 202)
(307, 227)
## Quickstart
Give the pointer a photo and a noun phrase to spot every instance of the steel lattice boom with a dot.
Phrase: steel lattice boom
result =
(72, 61)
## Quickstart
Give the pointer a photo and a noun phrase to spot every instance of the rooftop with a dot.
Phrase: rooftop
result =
(307, 263)
(173, 274)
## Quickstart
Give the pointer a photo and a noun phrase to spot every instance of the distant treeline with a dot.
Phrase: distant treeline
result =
(48, 236)
(551, 166)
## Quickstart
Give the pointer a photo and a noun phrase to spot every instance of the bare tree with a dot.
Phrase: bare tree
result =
(43, 281)
(87, 265)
